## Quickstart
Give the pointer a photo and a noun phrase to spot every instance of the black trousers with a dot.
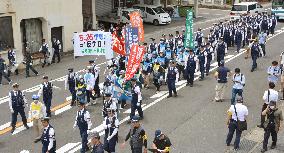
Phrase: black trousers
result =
(263, 49)
(90, 95)
(134, 107)
(262, 119)
(56, 54)
(28, 67)
(17, 111)
(5, 76)
(136, 150)
(267, 133)
(190, 76)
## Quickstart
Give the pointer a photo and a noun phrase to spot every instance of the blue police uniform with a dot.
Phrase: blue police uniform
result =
(221, 51)
(146, 68)
(273, 25)
(202, 62)
(198, 38)
(171, 78)
(168, 55)
(98, 148)
(210, 54)
(136, 101)
(17, 102)
(71, 81)
(46, 139)
(227, 35)
(238, 39)
(153, 47)
(255, 51)
(265, 26)
(47, 97)
(111, 129)
(162, 47)
(83, 127)
(190, 68)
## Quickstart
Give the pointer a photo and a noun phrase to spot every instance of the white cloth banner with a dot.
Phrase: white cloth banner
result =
(93, 43)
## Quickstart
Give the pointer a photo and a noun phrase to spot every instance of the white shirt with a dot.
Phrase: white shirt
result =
(273, 73)
(116, 124)
(45, 85)
(87, 118)
(138, 91)
(51, 136)
(89, 80)
(241, 110)
(273, 96)
(239, 81)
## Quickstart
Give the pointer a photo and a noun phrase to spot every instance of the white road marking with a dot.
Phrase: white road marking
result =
(180, 82)
(159, 94)
(4, 126)
(22, 128)
(214, 64)
(203, 13)
(228, 56)
(63, 109)
(25, 151)
(128, 111)
(33, 89)
(278, 31)
(67, 147)
(218, 14)
(6, 99)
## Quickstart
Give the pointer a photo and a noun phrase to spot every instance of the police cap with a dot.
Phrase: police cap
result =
(91, 61)
(15, 85)
(108, 95)
(135, 118)
(45, 119)
(70, 69)
(45, 77)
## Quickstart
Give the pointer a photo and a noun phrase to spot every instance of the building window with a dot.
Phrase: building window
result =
(6, 33)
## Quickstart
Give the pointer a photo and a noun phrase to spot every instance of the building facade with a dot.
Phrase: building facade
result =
(24, 23)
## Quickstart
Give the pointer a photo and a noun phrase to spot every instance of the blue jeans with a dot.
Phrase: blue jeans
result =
(234, 93)
(232, 128)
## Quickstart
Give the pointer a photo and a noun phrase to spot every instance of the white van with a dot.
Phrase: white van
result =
(245, 8)
(154, 14)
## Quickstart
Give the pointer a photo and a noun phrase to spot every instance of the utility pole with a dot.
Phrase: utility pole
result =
(195, 8)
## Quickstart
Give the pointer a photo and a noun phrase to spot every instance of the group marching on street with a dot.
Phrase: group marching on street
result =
(165, 63)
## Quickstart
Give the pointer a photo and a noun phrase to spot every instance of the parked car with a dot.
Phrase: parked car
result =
(153, 14)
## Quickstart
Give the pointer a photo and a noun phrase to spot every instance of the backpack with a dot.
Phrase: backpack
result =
(241, 78)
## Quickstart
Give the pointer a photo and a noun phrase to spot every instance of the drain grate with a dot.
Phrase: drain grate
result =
(246, 145)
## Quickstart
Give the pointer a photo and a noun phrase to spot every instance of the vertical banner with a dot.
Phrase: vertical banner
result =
(131, 37)
(118, 44)
(136, 21)
(188, 42)
(91, 43)
(109, 52)
(135, 58)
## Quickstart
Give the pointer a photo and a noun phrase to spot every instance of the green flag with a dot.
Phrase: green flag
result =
(188, 42)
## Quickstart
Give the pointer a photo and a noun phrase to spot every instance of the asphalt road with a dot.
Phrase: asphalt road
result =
(193, 121)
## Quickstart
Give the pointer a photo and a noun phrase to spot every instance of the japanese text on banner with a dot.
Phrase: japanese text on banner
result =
(136, 21)
(131, 37)
(136, 55)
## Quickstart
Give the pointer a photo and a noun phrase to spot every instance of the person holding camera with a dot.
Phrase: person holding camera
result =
(272, 124)
(236, 114)
(239, 83)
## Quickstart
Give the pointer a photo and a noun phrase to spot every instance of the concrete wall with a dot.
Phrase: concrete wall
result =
(53, 13)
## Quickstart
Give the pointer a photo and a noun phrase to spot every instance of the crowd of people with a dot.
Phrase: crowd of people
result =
(168, 62)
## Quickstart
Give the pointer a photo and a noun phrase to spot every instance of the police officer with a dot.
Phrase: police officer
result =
(210, 57)
(202, 61)
(271, 125)
(17, 102)
(70, 83)
(221, 50)
(153, 46)
(89, 79)
(180, 59)
(109, 103)
(262, 41)
(136, 99)
(199, 37)
(137, 135)
(48, 137)
(56, 46)
(97, 144)
(239, 38)
(46, 89)
(172, 76)
(239, 83)
(83, 121)
(221, 76)
(237, 112)
(161, 142)
(273, 72)
(190, 68)
(255, 50)
(12, 60)
(44, 50)
(29, 65)
(110, 125)
(268, 96)
(265, 25)
(146, 71)
(273, 24)
(95, 72)
(3, 71)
